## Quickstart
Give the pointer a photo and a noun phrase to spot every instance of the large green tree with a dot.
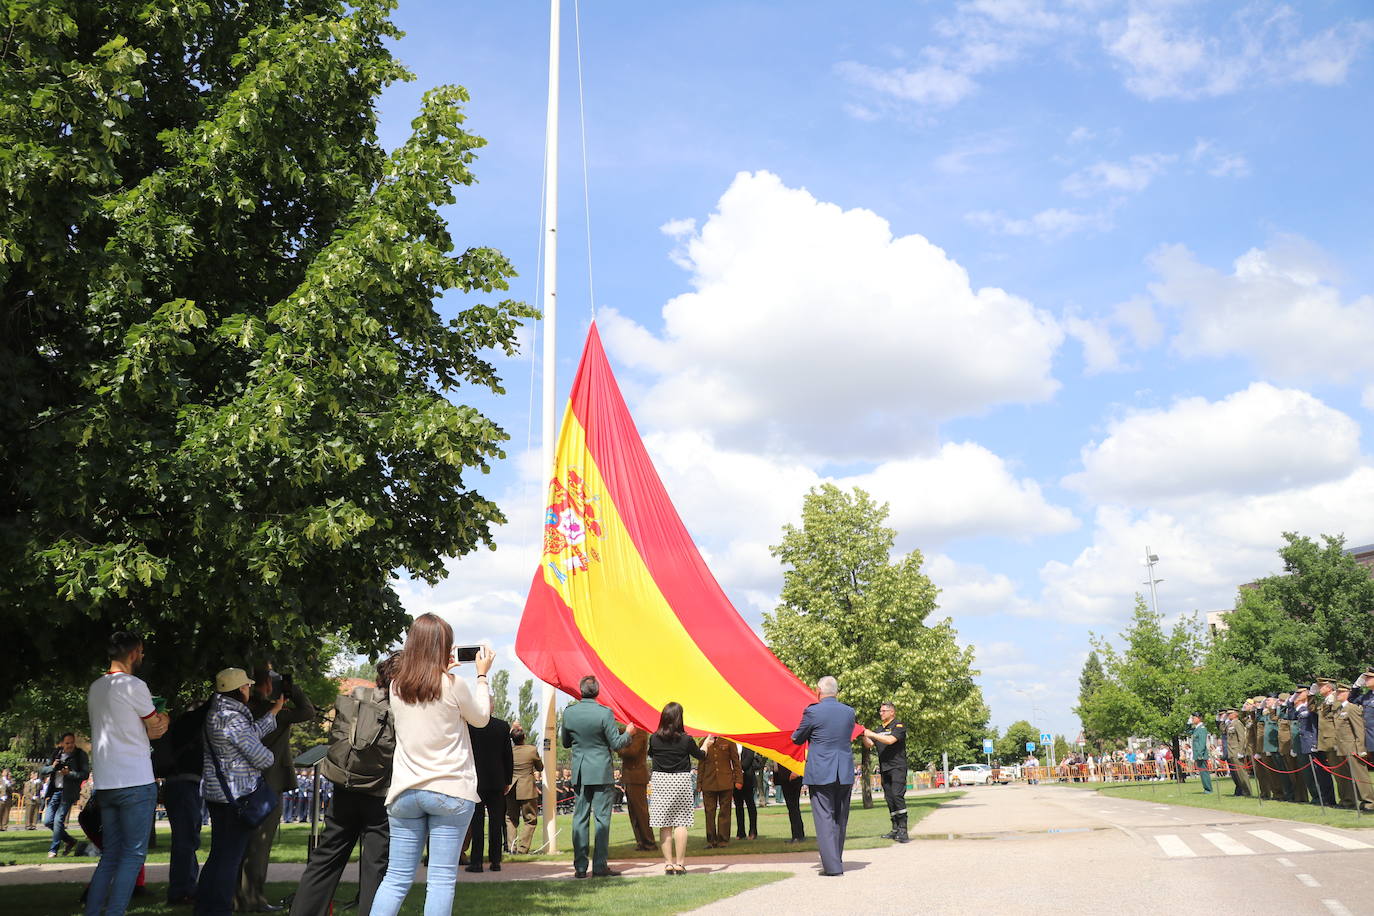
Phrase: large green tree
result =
(229, 408)
(1316, 618)
(1153, 681)
(1089, 680)
(850, 610)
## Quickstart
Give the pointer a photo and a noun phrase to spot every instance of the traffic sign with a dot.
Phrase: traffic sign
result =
(1046, 738)
(987, 745)
(1030, 746)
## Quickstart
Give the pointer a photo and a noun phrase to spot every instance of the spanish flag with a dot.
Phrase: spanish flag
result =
(622, 593)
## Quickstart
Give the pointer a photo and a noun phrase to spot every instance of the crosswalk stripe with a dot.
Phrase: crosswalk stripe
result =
(1337, 908)
(1308, 880)
(1335, 839)
(1281, 841)
(1174, 847)
(1227, 845)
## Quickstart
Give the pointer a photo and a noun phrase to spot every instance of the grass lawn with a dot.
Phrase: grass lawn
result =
(26, 847)
(1190, 794)
(642, 896)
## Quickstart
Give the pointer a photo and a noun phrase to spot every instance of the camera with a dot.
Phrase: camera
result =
(281, 684)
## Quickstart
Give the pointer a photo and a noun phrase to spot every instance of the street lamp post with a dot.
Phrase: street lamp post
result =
(1150, 580)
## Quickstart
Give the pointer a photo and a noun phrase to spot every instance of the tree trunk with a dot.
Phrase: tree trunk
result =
(865, 761)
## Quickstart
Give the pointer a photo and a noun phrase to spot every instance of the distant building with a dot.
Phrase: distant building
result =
(1216, 622)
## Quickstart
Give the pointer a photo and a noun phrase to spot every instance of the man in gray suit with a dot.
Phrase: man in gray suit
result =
(590, 730)
(828, 726)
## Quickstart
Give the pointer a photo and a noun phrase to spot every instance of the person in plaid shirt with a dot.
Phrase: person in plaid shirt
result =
(236, 739)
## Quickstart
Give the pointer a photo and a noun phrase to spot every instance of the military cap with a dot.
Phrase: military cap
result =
(1369, 675)
(1325, 680)
(1284, 697)
(1342, 686)
(1231, 710)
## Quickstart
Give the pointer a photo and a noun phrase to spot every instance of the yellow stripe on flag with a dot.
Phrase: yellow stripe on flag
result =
(596, 568)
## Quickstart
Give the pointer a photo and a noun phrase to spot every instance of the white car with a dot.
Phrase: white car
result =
(971, 774)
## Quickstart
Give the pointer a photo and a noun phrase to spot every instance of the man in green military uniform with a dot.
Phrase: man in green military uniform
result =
(1290, 747)
(1348, 725)
(1237, 750)
(1326, 740)
(1279, 779)
(1200, 759)
(1251, 715)
(590, 730)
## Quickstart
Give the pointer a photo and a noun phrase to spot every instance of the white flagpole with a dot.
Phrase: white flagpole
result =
(550, 746)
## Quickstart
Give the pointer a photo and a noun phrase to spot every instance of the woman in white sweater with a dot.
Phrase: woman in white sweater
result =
(433, 778)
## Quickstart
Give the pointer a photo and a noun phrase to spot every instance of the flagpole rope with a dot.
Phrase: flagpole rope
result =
(586, 183)
(530, 496)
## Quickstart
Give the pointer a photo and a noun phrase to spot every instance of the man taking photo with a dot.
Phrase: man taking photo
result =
(66, 773)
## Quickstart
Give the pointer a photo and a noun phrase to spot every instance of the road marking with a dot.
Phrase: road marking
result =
(1308, 880)
(1337, 908)
(1285, 862)
(1281, 841)
(1174, 847)
(1335, 839)
(1227, 845)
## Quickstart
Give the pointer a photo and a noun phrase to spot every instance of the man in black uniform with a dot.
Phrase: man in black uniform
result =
(891, 741)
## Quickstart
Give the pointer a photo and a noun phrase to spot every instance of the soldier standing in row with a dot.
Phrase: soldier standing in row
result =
(1200, 761)
(1347, 723)
(891, 738)
(1237, 749)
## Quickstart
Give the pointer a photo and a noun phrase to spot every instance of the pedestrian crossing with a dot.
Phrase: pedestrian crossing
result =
(1254, 842)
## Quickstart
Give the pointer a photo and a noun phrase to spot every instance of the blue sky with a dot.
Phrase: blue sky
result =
(1057, 280)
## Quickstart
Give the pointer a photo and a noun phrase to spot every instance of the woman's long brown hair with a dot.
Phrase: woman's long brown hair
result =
(426, 657)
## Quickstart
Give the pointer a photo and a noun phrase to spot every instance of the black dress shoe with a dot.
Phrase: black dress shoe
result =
(495, 866)
(579, 874)
(608, 873)
(832, 874)
(476, 868)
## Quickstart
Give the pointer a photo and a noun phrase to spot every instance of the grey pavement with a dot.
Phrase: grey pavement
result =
(1046, 849)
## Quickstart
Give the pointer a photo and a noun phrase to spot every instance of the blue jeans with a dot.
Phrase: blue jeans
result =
(126, 819)
(183, 802)
(55, 819)
(415, 815)
(219, 877)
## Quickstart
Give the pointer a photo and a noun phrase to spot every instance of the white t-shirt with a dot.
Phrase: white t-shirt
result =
(120, 754)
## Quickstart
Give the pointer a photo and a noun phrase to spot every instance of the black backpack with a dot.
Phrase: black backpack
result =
(363, 740)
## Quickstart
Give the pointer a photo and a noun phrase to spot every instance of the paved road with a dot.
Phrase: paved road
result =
(1046, 849)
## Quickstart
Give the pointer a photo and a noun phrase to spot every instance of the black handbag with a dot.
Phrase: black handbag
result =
(252, 808)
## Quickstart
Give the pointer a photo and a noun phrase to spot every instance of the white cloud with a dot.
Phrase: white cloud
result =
(1259, 440)
(971, 590)
(1048, 225)
(1132, 176)
(982, 35)
(1164, 56)
(1101, 350)
(1218, 162)
(1276, 307)
(1082, 135)
(932, 86)
(1206, 550)
(963, 490)
(963, 156)
(812, 329)
(1367, 397)
(739, 501)
(1138, 318)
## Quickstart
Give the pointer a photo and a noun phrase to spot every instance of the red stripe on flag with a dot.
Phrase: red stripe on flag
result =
(671, 556)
